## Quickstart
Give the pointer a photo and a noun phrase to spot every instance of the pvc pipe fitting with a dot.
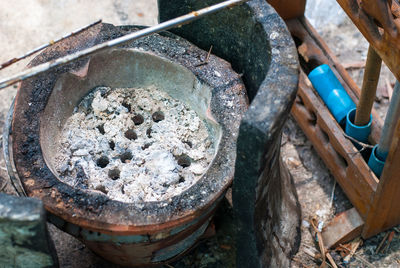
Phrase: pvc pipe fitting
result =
(381, 150)
(332, 92)
(360, 133)
(376, 164)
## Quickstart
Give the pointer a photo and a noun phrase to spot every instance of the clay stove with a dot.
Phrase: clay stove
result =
(142, 232)
(255, 40)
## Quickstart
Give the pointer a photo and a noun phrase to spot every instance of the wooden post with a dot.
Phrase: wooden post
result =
(289, 9)
(368, 91)
(384, 212)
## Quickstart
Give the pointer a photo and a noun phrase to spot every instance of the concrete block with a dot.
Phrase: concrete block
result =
(24, 239)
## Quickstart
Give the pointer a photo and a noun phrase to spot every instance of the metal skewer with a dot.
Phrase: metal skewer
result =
(195, 15)
(379, 153)
(52, 42)
(392, 117)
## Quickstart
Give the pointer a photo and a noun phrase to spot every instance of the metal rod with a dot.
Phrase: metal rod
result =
(368, 92)
(392, 117)
(52, 42)
(118, 41)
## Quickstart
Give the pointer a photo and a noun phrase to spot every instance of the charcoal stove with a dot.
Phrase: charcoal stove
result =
(255, 41)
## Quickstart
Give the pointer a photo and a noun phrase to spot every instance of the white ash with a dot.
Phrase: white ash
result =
(133, 144)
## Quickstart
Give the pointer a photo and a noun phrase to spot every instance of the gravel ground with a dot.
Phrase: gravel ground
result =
(27, 24)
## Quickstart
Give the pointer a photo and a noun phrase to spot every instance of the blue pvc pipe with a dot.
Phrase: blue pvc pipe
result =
(378, 156)
(376, 164)
(392, 116)
(360, 133)
(332, 92)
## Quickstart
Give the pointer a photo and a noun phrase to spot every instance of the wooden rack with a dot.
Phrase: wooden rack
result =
(375, 200)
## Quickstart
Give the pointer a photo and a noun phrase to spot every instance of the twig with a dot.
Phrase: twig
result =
(333, 193)
(3, 186)
(324, 253)
(389, 240)
(381, 243)
(364, 261)
(207, 58)
(343, 247)
(209, 53)
(168, 265)
(309, 252)
(357, 256)
(363, 145)
(52, 42)
(354, 65)
(354, 246)
(320, 243)
(346, 250)
(44, 67)
(331, 260)
(300, 262)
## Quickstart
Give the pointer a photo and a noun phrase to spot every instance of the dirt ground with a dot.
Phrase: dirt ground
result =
(25, 25)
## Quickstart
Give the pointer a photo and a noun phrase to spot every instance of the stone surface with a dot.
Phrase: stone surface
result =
(255, 40)
(24, 239)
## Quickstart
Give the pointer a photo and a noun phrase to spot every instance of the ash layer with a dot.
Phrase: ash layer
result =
(133, 144)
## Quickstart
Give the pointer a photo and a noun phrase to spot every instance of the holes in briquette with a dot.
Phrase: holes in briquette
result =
(101, 129)
(112, 145)
(189, 143)
(127, 106)
(138, 119)
(148, 132)
(114, 174)
(184, 160)
(125, 157)
(101, 188)
(130, 134)
(158, 116)
(103, 161)
(146, 145)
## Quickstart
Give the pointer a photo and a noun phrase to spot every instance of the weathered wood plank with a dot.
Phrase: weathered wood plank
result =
(343, 228)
